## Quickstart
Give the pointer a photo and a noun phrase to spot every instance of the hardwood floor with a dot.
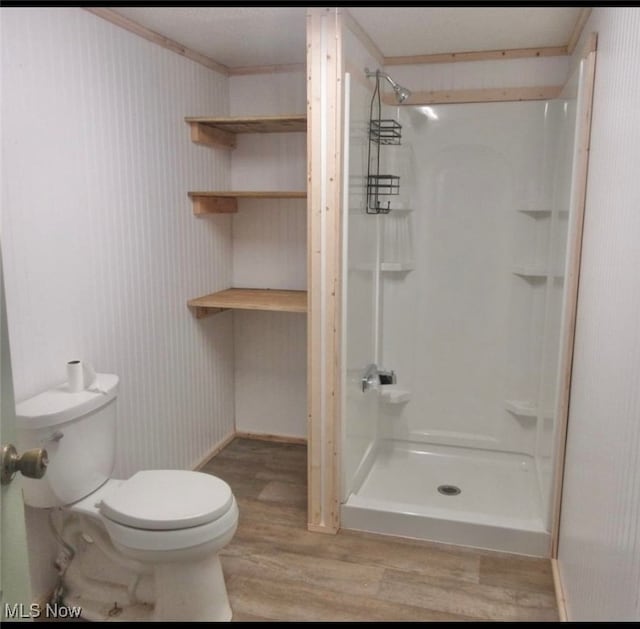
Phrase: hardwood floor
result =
(276, 570)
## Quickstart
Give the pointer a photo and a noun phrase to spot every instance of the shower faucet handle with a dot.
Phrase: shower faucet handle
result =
(373, 377)
(370, 379)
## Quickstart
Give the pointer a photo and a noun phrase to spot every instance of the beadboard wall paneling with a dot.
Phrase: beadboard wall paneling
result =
(269, 251)
(270, 243)
(101, 248)
(268, 94)
(271, 373)
(599, 550)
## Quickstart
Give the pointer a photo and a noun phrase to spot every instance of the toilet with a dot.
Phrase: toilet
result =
(145, 548)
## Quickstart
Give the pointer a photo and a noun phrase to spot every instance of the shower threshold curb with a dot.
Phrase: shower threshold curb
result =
(446, 531)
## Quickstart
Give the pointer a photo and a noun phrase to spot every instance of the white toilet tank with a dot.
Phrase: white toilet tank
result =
(78, 431)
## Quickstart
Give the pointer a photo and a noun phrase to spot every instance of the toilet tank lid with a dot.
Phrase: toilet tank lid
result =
(58, 405)
(167, 500)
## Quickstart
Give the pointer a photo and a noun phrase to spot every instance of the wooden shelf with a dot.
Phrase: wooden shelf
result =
(221, 132)
(249, 299)
(225, 202)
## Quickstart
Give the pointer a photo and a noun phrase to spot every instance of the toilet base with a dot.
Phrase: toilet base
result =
(110, 587)
(196, 591)
(102, 589)
(197, 594)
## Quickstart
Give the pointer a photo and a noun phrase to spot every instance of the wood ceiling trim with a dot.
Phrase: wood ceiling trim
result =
(478, 55)
(477, 95)
(271, 69)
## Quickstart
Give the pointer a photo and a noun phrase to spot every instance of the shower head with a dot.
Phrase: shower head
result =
(402, 93)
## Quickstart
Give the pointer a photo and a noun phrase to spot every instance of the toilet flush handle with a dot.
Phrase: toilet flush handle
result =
(54, 437)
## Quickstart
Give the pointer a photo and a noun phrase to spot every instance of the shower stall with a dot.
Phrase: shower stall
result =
(454, 304)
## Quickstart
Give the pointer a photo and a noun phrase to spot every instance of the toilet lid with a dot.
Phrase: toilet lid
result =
(167, 500)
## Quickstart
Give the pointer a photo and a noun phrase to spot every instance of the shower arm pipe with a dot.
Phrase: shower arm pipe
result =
(383, 75)
(402, 93)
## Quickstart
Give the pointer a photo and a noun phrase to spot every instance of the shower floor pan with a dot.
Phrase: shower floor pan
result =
(498, 506)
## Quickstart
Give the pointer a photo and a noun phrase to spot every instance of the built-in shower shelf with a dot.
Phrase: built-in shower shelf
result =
(538, 213)
(542, 213)
(525, 409)
(534, 273)
(221, 132)
(393, 394)
(249, 299)
(226, 202)
(530, 272)
(521, 409)
(396, 267)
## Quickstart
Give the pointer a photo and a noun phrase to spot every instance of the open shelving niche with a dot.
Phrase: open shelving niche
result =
(221, 133)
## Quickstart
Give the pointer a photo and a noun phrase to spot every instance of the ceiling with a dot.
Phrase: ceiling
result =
(232, 36)
(249, 36)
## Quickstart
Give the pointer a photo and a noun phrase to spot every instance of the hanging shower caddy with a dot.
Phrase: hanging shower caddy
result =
(381, 132)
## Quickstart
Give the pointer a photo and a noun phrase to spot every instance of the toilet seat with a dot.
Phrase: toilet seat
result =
(190, 509)
(147, 540)
(167, 500)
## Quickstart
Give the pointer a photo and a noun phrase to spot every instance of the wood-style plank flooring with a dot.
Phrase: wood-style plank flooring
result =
(276, 570)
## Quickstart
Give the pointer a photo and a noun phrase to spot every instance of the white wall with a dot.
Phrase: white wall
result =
(599, 553)
(269, 251)
(100, 245)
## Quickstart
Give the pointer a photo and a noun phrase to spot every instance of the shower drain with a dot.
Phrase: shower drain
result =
(449, 490)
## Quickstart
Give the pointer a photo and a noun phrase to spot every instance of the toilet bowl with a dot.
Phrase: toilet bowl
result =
(151, 541)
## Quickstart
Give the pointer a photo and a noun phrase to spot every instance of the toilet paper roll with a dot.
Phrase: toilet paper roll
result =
(80, 376)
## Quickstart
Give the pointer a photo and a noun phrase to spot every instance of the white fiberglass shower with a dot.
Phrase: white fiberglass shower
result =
(459, 290)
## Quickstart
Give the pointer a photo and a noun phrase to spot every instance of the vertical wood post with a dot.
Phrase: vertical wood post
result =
(324, 142)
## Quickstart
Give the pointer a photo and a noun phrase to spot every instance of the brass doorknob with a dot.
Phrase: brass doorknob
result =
(32, 463)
